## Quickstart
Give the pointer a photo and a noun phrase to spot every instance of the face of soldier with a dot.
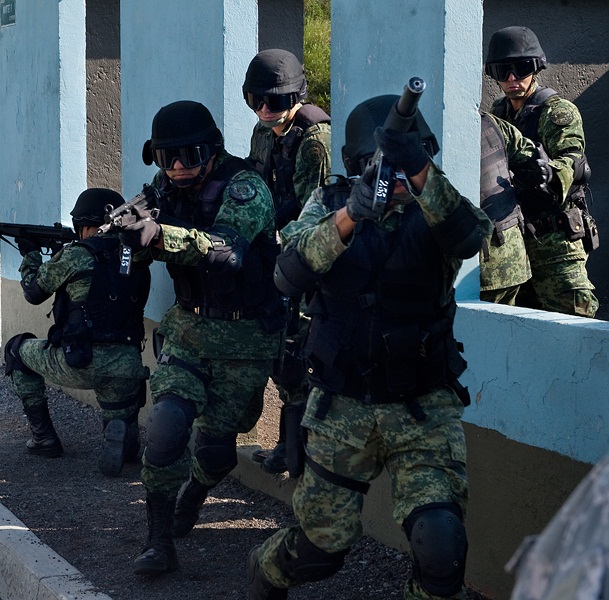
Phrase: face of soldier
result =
(516, 88)
(186, 177)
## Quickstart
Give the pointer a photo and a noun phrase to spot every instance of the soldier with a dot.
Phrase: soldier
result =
(555, 227)
(96, 341)
(290, 148)
(217, 235)
(382, 362)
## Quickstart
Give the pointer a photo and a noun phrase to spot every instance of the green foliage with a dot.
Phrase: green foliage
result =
(317, 51)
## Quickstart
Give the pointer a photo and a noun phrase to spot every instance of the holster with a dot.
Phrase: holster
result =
(295, 437)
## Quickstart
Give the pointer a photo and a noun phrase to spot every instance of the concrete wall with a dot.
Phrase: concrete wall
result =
(280, 25)
(103, 94)
(574, 38)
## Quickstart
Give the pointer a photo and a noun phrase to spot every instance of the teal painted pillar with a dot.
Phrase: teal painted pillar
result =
(376, 49)
(195, 51)
(43, 125)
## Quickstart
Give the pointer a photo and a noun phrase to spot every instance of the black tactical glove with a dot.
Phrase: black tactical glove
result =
(359, 202)
(141, 233)
(403, 150)
(24, 245)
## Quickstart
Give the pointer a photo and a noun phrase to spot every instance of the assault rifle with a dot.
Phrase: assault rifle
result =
(401, 118)
(44, 236)
(126, 214)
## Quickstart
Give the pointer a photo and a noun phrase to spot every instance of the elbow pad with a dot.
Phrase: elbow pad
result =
(292, 275)
(224, 257)
(33, 293)
(461, 234)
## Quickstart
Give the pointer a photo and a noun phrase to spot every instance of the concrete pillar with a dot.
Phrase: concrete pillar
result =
(43, 127)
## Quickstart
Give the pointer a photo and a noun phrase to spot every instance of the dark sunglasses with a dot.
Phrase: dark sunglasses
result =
(189, 156)
(275, 102)
(520, 69)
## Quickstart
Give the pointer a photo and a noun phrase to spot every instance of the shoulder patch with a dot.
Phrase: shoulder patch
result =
(242, 191)
(562, 116)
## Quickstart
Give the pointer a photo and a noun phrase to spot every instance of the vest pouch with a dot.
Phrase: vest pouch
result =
(406, 348)
(591, 239)
(573, 223)
(76, 346)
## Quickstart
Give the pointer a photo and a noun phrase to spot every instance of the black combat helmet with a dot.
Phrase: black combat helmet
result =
(276, 77)
(514, 49)
(188, 128)
(359, 131)
(90, 207)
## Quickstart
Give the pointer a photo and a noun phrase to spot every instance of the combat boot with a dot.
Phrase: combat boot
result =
(259, 586)
(189, 506)
(45, 441)
(276, 462)
(159, 555)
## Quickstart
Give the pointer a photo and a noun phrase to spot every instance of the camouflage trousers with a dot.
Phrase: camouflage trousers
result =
(116, 375)
(560, 280)
(227, 396)
(425, 461)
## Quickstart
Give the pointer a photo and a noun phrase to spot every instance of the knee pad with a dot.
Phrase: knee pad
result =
(12, 360)
(312, 563)
(168, 429)
(216, 455)
(439, 547)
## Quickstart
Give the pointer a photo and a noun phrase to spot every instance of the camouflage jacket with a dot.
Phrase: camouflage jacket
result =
(560, 130)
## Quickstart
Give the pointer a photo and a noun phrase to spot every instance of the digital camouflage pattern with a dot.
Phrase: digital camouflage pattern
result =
(569, 560)
(313, 157)
(558, 267)
(236, 355)
(116, 371)
(425, 459)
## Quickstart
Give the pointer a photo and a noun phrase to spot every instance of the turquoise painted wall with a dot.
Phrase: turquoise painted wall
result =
(43, 124)
(199, 52)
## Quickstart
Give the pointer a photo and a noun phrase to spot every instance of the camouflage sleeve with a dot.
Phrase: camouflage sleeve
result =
(439, 199)
(247, 209)
(57, 271)
(312, 161)
(318, 241)
(561, 132)
(518, 148)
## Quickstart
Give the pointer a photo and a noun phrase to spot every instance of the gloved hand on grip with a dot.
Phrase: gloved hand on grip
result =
(143, 232)
(359, 202)
(403, 150)
(25, 245)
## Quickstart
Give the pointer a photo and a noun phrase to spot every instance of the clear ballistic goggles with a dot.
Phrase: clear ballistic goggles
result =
(521, 69)
(189, 156)
(275, 102)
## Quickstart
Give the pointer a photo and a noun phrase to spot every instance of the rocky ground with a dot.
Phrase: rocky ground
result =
(98, 524)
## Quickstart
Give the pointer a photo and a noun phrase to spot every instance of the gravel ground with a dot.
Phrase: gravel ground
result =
(98, 524)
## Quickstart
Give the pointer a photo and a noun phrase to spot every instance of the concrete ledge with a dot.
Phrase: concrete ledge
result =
(30, 570)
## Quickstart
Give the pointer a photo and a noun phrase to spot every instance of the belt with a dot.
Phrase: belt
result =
(214, 313)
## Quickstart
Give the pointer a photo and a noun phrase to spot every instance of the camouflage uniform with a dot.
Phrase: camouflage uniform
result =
(218, 365)
(115, 372)
(559, 277)
(570, 558)
(308, 153)
(504, 265)
(419, 440)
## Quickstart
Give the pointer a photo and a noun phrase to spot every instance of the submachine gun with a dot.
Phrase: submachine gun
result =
(126, 214)
(402, 117)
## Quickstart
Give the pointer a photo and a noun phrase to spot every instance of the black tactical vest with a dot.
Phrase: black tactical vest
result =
(278, 169)
(382, 319)
(249, 292)
(113, 312)
(497, 194)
